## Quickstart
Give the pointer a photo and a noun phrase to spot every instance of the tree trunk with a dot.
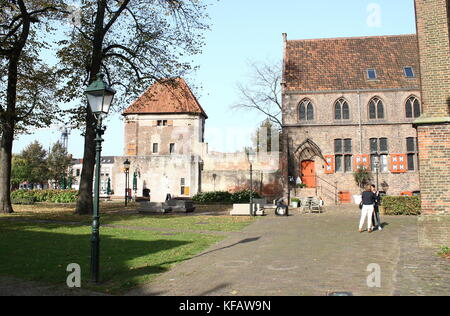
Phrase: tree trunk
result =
(5, 170)
(85, 201)
(8, 137)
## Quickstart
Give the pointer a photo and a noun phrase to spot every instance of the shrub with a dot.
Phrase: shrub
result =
(49, 196)
(401, 205)
(213, 197)
(225, 197)
(362, 177)
(27, 200)
(243, 196)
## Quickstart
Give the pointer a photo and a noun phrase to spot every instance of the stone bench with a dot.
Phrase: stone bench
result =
(244, 210)
(180, 206)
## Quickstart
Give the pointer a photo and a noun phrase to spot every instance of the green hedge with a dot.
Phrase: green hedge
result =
(401, 205)
(49, 196)
(225, 197)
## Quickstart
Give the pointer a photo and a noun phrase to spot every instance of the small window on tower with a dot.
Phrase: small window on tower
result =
(371, 74)
(409, 72)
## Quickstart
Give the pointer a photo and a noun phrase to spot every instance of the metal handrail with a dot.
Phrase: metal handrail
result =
(333, 186)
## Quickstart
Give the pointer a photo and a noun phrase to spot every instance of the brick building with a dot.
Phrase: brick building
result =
(348, 103)
(433, 127)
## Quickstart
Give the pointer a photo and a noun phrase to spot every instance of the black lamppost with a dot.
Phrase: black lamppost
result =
(377, 166)
(99, 96)
(126, 168)
(251, 158)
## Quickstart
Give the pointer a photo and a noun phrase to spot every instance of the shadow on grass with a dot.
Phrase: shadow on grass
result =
(42, 253)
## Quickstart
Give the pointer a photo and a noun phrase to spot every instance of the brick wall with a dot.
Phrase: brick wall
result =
(432, 17)
(396, 127)
(433, 34)
(434, 155)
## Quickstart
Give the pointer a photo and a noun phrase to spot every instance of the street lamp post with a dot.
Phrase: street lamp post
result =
(99, 96)
(251, 158)
(126, 168)
(377, 166)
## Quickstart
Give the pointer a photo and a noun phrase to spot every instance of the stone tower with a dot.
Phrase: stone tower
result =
(433, 127)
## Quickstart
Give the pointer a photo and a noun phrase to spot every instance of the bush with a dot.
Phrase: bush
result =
(213, 197)
(29, 200)
(243, 196)
(225, 197)
(401, 205)
(49, 196)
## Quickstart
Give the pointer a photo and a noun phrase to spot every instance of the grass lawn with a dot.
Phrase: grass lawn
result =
(41, 251)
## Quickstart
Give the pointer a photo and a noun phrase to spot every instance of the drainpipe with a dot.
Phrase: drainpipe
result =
(360, 123)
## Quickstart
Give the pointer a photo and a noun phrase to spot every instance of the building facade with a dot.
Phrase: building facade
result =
(349, 103)
(433, 127)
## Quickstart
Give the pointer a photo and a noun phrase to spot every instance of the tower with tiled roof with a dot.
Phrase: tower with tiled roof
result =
(166, 119)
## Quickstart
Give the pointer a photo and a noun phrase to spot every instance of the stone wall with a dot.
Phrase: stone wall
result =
(231, 172)
(159, 174)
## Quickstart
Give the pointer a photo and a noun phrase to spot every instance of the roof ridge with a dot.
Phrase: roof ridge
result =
(162, 97)
(350, 38)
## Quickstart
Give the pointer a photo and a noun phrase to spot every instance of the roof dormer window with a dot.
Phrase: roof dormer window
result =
(409, 72)
(371, 74)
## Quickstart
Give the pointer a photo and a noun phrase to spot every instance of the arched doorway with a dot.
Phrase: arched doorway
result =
(308, 173)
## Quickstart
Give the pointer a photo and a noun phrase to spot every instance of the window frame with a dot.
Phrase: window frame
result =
(368, 71)
(411, 105)
(412, 153)
(305, 107)
(378, 103)
(412, 71)
(340, 104)
(157, 148)
(343, 158)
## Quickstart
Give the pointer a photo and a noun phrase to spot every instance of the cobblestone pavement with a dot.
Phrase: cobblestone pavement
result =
(310, 254)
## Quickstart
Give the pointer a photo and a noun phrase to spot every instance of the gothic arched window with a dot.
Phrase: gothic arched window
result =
(306, 110)
(412, 107)
(376, 109)
(341, 110)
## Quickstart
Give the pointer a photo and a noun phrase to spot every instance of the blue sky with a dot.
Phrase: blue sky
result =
(250, 30)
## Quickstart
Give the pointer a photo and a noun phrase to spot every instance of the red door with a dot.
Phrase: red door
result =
(308, 170)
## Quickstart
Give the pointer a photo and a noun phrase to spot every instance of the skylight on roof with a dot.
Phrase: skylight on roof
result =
(371, 74)
(409, 72)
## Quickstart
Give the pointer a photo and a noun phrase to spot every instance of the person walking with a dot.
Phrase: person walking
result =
(376, 211)
(368, 202)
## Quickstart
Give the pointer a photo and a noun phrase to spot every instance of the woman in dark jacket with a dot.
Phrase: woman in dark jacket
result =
(376, 212)
(368, 202)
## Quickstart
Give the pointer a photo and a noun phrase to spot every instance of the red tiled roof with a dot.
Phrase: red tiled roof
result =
(342, 63)
(168, 97)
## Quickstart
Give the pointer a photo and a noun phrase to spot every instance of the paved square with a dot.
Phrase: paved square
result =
(310, 254)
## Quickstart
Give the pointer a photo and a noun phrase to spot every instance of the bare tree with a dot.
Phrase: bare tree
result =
(262, 92)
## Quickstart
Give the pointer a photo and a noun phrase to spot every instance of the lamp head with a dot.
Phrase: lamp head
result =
(99, 95)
